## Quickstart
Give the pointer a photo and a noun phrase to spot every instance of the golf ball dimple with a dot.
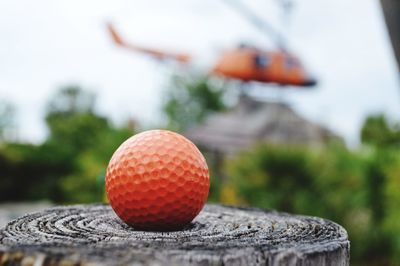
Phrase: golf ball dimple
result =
(157, 180)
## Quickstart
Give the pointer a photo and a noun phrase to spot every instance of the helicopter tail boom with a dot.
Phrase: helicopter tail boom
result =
(159, 54)
(114, 34)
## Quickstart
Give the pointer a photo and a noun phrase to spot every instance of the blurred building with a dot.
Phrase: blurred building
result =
(253, 121)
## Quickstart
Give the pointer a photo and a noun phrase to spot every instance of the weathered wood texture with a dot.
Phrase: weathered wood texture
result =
(220, 235)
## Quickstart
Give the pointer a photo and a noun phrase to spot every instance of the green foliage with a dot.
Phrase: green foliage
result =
(91, 139)
(391, 195)
(70, 165)
(86, 182)
(274, 177)
(379, 132)
(383, 190)
(359, 190)
(189, 100)
(32, 172)
(71, 120)
(292, 178)
(76, 130)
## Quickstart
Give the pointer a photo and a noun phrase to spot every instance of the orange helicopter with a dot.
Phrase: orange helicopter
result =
(245, 63)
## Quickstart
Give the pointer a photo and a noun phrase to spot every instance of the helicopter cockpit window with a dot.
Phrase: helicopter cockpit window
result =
(261, 60)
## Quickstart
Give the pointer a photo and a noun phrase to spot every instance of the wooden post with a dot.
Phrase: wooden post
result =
(220, 235)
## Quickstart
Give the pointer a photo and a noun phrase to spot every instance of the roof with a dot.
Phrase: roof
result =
(253, 121)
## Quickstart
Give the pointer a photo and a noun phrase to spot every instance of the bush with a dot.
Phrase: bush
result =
(354, 189)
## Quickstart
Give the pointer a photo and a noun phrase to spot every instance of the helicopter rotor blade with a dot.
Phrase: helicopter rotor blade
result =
(259, 23)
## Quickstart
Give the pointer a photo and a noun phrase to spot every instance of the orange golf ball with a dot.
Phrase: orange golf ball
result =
(157, 180)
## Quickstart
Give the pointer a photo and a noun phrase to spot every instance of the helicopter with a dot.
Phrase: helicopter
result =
(245, 63)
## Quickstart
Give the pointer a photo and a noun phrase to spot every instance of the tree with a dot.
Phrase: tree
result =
(89, 137)
(72, 121)
(381, 186)
(70, 165)
(377, 131)
(330, 182)
(7, 116)
(190, 99)
(71, 99)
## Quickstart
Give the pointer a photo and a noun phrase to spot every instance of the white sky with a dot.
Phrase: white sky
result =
(45, 44)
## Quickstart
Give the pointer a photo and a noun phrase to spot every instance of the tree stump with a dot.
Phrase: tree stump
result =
(220, 235)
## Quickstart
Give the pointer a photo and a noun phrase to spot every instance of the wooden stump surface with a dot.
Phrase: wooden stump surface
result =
(220, 235)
